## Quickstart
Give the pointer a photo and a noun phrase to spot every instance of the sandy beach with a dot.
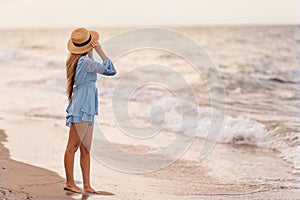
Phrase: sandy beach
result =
(23, 181)
(33, 138)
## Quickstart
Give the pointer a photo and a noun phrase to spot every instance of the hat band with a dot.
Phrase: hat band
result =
(84, 43)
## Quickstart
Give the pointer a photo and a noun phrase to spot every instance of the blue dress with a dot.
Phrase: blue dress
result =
(84, 102)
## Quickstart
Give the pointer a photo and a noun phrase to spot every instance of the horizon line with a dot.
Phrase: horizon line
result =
(159, 26)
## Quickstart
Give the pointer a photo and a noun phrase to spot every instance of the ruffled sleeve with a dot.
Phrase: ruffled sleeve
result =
(105, 68)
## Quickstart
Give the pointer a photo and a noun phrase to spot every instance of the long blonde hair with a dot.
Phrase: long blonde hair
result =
(71, 65)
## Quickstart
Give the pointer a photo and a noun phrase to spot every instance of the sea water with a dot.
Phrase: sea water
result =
(259, 67)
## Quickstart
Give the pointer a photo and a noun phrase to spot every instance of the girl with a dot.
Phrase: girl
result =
(83, 101)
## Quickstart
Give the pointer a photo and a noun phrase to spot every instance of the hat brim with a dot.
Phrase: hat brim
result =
(84, 49)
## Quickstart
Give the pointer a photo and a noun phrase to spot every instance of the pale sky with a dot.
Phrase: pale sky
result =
(70, 13)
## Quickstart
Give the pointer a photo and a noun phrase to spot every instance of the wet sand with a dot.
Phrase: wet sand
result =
(19, 180)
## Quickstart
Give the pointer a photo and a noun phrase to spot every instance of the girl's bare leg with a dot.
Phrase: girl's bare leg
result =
(72, 146)
(85, 159)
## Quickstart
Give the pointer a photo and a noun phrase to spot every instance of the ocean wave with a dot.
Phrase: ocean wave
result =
(281, 80)
(40, 61)
(10, 55)
(236, 130)
(50, 64)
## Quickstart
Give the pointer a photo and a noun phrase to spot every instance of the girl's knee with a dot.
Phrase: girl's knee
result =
(73, 148)
(84, 149)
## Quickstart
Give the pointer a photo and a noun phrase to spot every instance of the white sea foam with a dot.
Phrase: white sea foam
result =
(236, 130)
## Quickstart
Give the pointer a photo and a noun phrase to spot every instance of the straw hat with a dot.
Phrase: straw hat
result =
(80, 41)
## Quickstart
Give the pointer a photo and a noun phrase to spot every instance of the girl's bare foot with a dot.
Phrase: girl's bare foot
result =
(73, 188)
(92, 191)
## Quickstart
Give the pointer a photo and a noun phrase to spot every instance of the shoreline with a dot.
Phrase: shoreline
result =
(23, 181)
(216, 177)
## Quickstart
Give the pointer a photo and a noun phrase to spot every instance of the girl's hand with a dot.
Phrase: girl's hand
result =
(98, 48)
(95, 44)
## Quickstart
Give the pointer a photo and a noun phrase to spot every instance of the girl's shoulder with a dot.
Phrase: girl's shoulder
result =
(83, 59)
(86, 59)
